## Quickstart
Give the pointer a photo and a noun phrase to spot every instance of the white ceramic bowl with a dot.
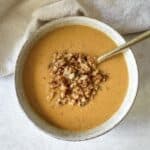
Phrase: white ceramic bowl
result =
(106, 126)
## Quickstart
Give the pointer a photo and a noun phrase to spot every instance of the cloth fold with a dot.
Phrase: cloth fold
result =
(18, 19)
(54, 11)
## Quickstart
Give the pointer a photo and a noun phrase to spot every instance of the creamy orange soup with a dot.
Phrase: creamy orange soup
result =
(75, 38)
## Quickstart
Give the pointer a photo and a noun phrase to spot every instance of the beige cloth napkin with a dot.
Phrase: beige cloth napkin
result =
(17, 16)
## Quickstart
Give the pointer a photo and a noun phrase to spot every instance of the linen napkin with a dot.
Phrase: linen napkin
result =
(18, 19)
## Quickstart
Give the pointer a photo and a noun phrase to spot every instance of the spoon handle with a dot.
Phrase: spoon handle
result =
(123, 46)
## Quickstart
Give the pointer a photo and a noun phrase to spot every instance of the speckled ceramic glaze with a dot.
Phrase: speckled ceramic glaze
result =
(106, 126)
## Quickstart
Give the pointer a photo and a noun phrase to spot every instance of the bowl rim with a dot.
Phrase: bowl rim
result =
(55, 22)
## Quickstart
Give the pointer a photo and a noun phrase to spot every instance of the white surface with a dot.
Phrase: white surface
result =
(127, 16)
(17, 132)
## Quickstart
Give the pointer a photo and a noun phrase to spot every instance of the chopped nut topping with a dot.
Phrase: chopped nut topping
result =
(74, 78)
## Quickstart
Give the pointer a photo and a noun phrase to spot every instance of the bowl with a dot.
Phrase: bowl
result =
(102, 128)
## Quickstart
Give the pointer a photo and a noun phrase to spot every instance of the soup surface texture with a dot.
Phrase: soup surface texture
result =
(74, 38)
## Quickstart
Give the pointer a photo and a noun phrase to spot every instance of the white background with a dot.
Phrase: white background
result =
(18, 133)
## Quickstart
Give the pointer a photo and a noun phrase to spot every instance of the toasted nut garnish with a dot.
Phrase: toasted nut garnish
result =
(75, 78)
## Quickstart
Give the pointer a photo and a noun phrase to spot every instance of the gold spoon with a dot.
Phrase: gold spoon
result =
(123, 47)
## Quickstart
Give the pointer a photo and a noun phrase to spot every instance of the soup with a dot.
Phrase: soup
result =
(81, 39)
